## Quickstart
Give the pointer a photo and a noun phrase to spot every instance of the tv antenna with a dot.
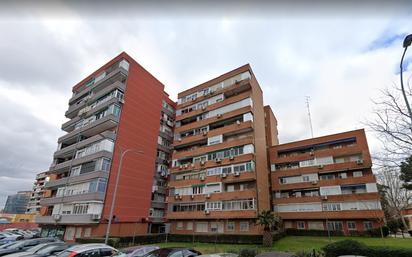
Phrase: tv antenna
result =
(309, 116)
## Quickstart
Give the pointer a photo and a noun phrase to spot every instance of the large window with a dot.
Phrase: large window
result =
(202, 227)
(244, 226)
(335, 225)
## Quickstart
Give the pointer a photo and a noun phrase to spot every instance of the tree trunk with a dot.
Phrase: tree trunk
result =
(267, 239)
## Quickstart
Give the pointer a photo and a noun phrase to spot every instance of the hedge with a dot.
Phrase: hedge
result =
(157, 238)
(352, 247)
(373, 232)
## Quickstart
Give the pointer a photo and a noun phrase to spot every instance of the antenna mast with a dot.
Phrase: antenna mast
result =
(309, 116)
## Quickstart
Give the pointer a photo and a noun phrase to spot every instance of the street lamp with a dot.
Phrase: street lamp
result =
(123, 153)
(406, 43)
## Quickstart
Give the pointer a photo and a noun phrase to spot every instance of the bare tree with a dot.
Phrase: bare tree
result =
(398, 198)
(392, 123)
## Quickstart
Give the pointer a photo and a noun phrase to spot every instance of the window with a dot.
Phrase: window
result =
(342, 175)
(244, 226)
(335, 225)
(230, 226)
(305, 178)
(331, 207)
(367, 225)
(300, 225)
(215, 140)
(106, 252)
(213, 188)
(357, 174)
(189, 225)
(201, 227)
(75, 171)
(179, 225)
(214, 205)
(87, 232)
(351, 225)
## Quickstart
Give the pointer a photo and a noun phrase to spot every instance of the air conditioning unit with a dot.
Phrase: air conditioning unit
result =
(208, 196)
(204, 133)
(202, 163)
(192, 196)
(218, 160)
(207, 212)
(180, 197)
(57, 217)
(231, 158)
(237, 174)
(211, 92)
(311, 153)
(202, 178)
(219, 115)
(359, 162)
(177, 197)
(121, 101)
(192, 165)
(320, 166)
(314, 182)
(238, 122)
(224, 175)
(203, 108)
(186, 165)
(180, 140)
(95, 216)
(324, 197)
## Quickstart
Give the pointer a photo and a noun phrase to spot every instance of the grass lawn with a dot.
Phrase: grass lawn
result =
(293, 244)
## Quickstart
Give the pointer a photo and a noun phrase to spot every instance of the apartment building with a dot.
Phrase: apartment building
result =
(326, 183)
(118, 110)
(33, 206)
(219, 176)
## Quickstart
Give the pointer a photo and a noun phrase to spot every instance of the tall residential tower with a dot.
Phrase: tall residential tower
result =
(120, 107)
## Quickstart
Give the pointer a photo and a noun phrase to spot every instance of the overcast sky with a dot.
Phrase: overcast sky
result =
(340, 56)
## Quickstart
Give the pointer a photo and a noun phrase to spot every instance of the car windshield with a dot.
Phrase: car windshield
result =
(159, 253)
(36, 248)
(15, 246)
(6, 245)
(48, 249)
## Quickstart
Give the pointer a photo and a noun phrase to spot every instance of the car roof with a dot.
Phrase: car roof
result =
(86, 247)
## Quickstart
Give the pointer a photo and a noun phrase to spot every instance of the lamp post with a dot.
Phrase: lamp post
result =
(123, 153)
(406, 43)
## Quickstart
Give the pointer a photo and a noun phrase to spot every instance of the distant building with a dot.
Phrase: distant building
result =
(17, 204)
(36, 195)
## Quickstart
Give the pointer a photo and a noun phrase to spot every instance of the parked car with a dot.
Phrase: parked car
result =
(20, 232)
(7, 237)
(23, 245)
(35, 249)
(90, 250)
(50, 250)
(175, 252)
(139, 251)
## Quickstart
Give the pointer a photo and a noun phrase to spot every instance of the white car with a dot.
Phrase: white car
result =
(95, 250)
(7, 237)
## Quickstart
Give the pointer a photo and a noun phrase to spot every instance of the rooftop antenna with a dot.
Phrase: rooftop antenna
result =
(310, 118)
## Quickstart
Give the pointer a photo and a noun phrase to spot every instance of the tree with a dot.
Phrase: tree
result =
(269, 221)
(406, 173)
(397, 197)
(392, 124)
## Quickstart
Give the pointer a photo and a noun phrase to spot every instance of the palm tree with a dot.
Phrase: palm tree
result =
(268, 220)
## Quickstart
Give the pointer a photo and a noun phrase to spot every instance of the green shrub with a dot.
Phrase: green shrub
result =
(311, 232)
(352, 247)
(246, 252)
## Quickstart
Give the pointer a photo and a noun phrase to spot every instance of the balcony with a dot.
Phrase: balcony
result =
(64, 166)
(119, 74)
(229, 129)
(214, 106)
(213, 163)
(213, 119)
(328, 168)
(235, 195)
(198, 151)
(77, 179)
(243, 177)
(68, 219)
(68, 151)
(321, 183)
(235, 88)
(96, 196)
(106, 123)
(158, 205)
(74, 109)
(332, 215)
(237, 214)
(330, 198)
